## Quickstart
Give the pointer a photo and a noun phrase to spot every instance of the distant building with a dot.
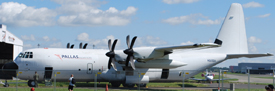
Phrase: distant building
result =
(234, 69)
(256, 68)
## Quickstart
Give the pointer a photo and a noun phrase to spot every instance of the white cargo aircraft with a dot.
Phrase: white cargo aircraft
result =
(151, 63)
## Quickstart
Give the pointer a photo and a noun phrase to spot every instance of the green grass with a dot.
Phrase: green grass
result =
(265, 77)
(102, 89)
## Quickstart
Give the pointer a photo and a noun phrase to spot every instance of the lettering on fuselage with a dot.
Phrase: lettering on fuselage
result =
(70, 56)
(211, 60)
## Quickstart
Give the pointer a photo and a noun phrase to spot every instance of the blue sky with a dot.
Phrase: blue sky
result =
(54, 23)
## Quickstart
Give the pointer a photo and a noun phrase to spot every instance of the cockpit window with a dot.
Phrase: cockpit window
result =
(20, 55)
(27, 55)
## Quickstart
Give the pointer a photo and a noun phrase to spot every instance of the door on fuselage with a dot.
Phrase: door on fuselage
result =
(48, 76)
(89, 68)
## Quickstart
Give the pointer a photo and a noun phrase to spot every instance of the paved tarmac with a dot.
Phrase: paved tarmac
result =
(253, 78)
(210, 87)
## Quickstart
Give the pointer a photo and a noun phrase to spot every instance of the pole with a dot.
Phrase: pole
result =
(54, 81)
(222, 79)
(138, 81)
(183, 75)
(219, 80)
(16, 81)
(95, 83)
(248, 79)
(273, 77)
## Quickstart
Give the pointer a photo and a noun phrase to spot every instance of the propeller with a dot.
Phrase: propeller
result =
(80, 45)
(130, 51)
(68, 45)
(85, 45)
(111, 54)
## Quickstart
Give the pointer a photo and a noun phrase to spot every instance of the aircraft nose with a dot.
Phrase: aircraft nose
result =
(10, 68)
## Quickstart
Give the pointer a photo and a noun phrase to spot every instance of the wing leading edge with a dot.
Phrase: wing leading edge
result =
(202, 46)
(231, 56)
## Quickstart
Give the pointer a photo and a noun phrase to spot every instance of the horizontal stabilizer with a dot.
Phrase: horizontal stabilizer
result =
(203, 45)
(231, 56)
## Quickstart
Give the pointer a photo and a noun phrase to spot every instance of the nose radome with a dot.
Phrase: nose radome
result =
(10, 68)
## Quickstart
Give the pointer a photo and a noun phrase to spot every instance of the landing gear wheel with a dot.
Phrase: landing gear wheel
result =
(130, 85)
(6, 85)
(142, 85)
(31, 83)
(115, 84)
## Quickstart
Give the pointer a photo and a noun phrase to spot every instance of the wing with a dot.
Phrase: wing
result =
(202, 46)
(231, 56)
(159, 52)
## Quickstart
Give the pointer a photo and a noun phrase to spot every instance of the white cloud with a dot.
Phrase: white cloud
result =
(265, 15)
(251, 41)
(99, 43)
(56, 45)
(27, 45)
(85, 13)
(96, 17)
(149, 41)
(25, 37)
(69, 13)
(252, 5)
(13, 13)
(179, 1)
(83, 37)
(187, 43)
(129, 11)
(46, 38)
(195, 19)
(154, 40)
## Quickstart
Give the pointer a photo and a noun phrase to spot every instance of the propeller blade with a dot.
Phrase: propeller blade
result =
(114, 64)
(84, 47)
(80, 45)
(68, 45)
(133, 42)
(114, 45)
(127, 61)
(128, 41)
(132, 62)
(109, 44)
(72, 46)
(109, 63)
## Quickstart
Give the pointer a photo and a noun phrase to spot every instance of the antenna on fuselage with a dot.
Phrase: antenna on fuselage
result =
(85, 45)
(72, 46)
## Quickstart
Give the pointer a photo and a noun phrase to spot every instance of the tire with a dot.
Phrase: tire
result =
(142, 85)
(115, 84)
(130, 85)
(31, 83)
(6, 85)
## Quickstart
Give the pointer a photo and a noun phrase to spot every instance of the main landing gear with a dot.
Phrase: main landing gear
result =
(130, 85)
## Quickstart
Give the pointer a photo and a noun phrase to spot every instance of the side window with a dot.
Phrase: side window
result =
(30, 55)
